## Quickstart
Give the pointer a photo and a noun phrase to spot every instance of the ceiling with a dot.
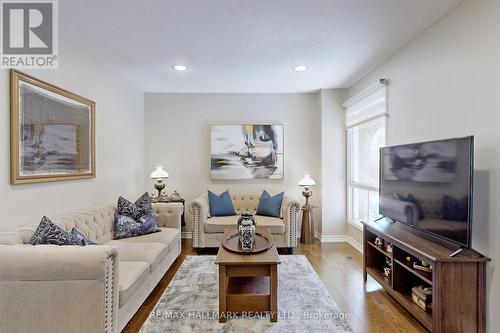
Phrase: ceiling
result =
(245, 45)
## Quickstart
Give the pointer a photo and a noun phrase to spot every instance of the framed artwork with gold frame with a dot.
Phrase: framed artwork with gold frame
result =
(52, 132)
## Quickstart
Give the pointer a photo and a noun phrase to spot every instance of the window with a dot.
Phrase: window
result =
(366, 132)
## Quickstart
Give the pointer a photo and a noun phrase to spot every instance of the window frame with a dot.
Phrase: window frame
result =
(361, 109)
(352, 185)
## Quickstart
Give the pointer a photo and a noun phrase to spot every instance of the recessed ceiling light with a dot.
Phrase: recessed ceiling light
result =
(300, 68)
(179, 68)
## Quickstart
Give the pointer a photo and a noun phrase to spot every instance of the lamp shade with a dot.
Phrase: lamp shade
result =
(307, 181)
(159, 173)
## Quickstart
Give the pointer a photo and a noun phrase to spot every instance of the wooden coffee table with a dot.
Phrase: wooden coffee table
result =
(248, 282)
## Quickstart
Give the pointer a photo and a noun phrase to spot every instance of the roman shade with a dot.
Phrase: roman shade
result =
(369, 104)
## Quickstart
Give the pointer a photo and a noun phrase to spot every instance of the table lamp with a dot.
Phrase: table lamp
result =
(307, 230)
(159, 174)
(307, 182)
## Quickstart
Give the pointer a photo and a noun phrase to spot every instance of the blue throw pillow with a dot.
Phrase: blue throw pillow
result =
(126, 227)
(455, 209)
(220, 205)
(270, 206)
(81, 237)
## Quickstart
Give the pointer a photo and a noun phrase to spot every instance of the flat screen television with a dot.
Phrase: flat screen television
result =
(428, 186)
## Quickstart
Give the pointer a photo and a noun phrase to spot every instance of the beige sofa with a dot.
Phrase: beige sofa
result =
(209, 231)
(95, 288)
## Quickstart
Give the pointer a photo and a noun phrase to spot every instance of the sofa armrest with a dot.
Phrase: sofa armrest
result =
(198, 212)
(290, 209)
(43, 283)
(51, 262)
(169, 214)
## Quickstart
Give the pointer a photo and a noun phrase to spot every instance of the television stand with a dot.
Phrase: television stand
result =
(456, 252)
(384, 218)
(458, 283)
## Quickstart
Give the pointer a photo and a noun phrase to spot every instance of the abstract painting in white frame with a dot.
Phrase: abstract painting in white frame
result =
(246, 151)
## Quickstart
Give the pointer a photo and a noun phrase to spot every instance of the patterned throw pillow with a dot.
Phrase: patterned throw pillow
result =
(125, 226)
(134, 210)
(81, 237)
(49, 233)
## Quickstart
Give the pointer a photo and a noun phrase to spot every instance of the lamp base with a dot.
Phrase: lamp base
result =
(159, 186)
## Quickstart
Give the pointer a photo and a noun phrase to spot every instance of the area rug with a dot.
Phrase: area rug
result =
(190, 303)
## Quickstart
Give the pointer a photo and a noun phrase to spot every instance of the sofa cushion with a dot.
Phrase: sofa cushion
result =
(152, 253)
(167, 236)
(218, 224)
(132, 274)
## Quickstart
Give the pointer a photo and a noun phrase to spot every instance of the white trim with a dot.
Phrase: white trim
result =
(187, 235)
(364, 186)
(384, 115)
(355, 224)
(339, 239)
(331, 238)
(355, 244)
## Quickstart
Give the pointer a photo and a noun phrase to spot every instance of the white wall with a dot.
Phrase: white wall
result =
(446, 84)
(119, 142)
(333, 163)
(178, 137)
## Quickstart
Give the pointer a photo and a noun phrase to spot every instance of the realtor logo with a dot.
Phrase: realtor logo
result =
(29, 34)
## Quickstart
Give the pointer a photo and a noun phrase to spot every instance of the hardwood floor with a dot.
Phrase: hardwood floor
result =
(339, 267)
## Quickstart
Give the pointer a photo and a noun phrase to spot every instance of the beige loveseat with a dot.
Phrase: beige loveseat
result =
(408, 213)
(208, 231)
(95, 288)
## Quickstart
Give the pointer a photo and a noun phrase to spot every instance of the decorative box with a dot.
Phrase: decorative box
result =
(422, 296)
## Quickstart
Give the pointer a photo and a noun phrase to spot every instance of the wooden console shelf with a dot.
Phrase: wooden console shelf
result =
(458, 283)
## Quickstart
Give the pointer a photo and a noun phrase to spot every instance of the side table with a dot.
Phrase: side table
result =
(307, 230)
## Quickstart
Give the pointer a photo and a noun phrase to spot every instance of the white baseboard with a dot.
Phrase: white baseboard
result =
(339, 239)
(355, 244)
(186, 235)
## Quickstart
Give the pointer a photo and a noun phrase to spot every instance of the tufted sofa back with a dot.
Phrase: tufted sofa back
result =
(96, 223)
(245, 202)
